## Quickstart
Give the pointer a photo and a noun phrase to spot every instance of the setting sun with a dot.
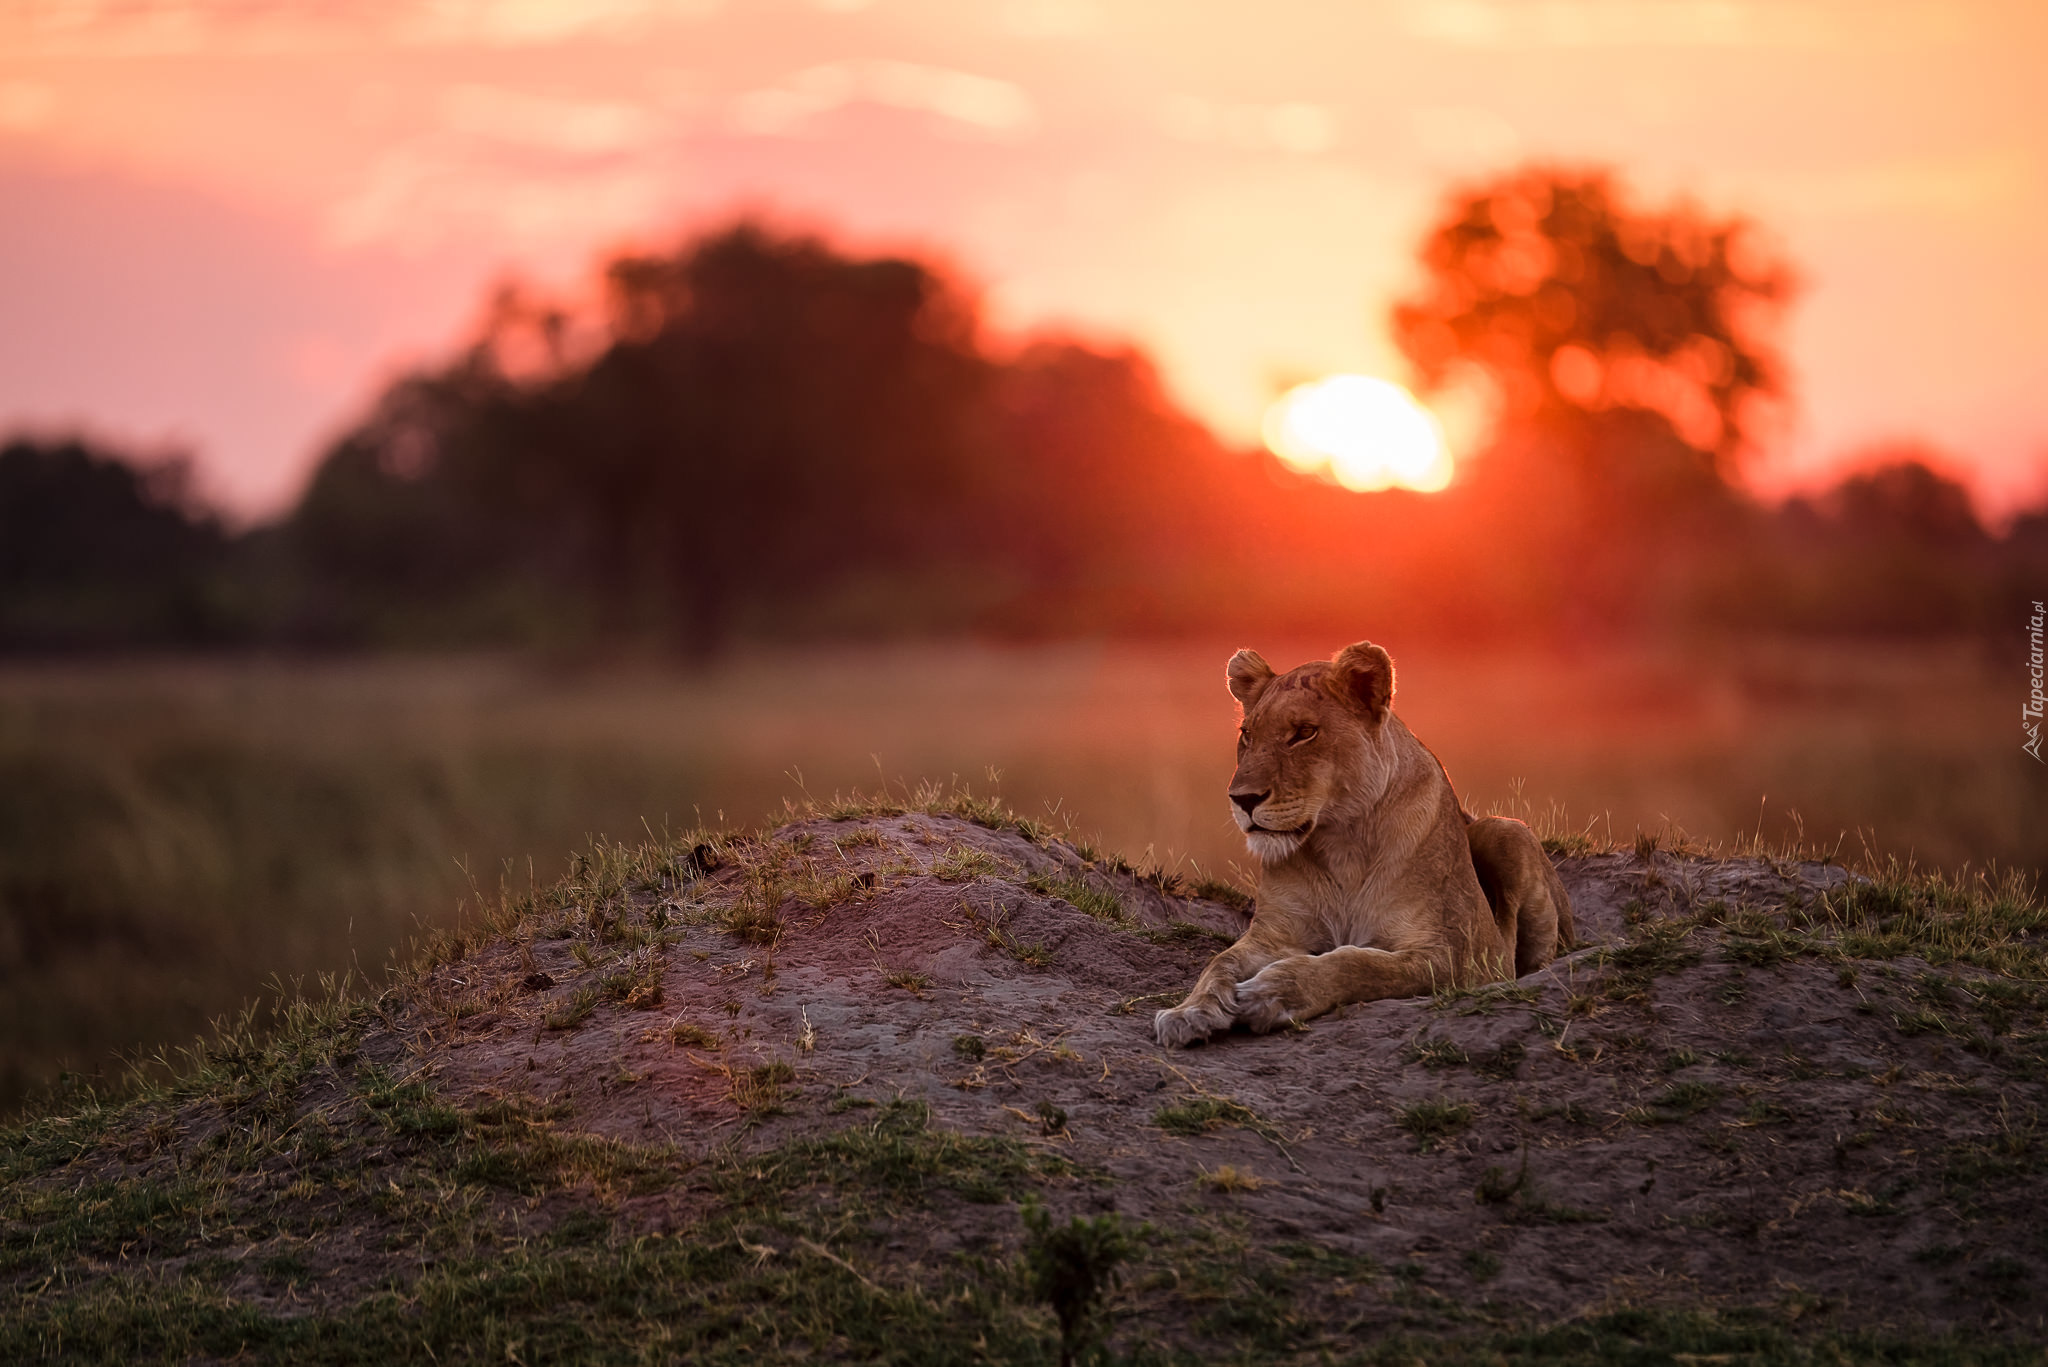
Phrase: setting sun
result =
(1366, 433)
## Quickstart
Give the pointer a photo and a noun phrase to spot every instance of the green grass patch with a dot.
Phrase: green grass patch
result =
(1504, 1063)
(760, 1091)
(1213, 889)
(755, 924)
(1653, 948)
(1436, 1052)
(1480, 999)
(1679, 1101)
(929, 798)
(995, 932)
(508, 1237)
(690, 1035)
(1435, 1121)
(1970, 918)
(1082, 895)
(572, 1013)
(771, 1263)
(965, 863)
(1198, 1115)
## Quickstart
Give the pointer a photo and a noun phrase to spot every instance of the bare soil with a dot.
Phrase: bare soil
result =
(1680, 1111)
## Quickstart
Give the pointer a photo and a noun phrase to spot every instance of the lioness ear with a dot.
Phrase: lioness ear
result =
(1248, 674)
(1363, 676)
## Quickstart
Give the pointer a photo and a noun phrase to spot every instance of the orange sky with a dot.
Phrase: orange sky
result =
(225, 221)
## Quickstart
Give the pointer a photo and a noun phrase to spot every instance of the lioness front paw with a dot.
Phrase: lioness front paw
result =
(1270, 1000)
(1185, 1025)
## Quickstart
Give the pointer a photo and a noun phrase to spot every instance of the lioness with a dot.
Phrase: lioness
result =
(1373, 881)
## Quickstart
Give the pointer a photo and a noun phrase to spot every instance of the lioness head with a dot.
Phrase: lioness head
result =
(1309, 749)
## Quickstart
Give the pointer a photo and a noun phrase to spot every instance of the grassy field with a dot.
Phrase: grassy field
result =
(174, 835)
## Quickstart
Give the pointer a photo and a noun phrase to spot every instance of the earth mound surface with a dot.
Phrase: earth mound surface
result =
(1759, 1097)
(1661, 1112)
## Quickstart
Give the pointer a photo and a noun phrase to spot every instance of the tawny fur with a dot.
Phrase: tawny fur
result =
(1373, 882)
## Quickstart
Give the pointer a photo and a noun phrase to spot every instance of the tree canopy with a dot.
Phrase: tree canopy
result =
(758, 435)
(762, 420)
(1568, 299)
(97, 550)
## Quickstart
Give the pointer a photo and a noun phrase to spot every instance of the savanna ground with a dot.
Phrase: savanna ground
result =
(879, 1084)
(174, 835)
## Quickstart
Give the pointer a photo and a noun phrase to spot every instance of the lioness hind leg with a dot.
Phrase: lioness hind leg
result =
(1529, 902)
(1305, 985)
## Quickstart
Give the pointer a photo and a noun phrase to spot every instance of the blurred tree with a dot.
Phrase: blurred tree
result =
(757, 434)
(71, 512)
(1894, 546)
(773, 414)
(1570, 302)
(100, 550)
(1106, 491)
(1624, 351)
(763, 414)
(1900, 548)
(763, 434)
(1901, 496)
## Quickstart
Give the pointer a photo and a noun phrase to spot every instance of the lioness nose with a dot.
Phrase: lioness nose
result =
(1249, 801)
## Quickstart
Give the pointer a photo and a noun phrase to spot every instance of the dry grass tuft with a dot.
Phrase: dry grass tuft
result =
(1224, 1177)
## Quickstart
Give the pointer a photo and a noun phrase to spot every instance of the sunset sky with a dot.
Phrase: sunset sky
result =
(223, 223)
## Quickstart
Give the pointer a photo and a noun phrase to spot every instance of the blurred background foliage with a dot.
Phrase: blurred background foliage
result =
(882, 548)
(760, 438)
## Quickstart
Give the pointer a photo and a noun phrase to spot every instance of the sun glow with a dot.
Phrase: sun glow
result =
(1364, 433)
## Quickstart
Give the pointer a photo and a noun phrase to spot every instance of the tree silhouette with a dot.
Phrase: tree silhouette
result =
(764, 414)
(1898, 495)
(1627, 351)
(758, 435)
(1572, 302)
(97, 551)
(772, 413)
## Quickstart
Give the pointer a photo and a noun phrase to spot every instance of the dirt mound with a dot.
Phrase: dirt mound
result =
(1682, 1106)
(928, 955)
(842, 1049)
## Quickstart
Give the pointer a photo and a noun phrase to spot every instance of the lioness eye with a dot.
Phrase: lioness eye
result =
(1301, 734)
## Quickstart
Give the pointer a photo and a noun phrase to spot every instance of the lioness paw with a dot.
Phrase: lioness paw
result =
(1185, 1025)
(1269, 1001)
